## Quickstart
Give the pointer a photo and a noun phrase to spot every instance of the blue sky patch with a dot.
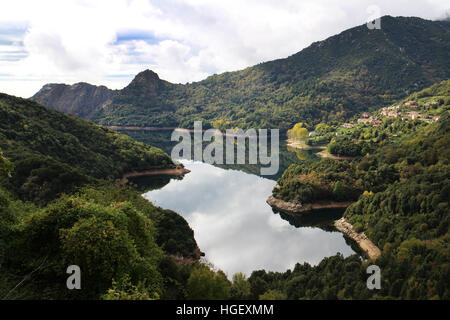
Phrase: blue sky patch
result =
(13, 31)
(143, 35)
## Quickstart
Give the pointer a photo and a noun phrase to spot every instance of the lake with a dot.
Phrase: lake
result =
(238, 230)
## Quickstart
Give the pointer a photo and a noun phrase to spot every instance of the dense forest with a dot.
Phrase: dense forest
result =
(60, 205)
(330, 80)
(54, 153)
(400, 185)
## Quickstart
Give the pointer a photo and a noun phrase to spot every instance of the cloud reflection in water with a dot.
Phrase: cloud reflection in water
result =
(235, 227)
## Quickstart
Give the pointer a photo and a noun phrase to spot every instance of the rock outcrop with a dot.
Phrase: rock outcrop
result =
(360, 238)
(154, 172)
(146, 84)
(296, 208)
(82, 99)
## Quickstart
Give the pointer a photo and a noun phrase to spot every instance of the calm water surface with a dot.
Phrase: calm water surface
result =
(235, 227)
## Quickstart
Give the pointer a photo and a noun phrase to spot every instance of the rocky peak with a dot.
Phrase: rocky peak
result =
(81, 99)
(146, 83)
(146, 76)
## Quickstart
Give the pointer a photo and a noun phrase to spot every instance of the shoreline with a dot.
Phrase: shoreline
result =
(302, 146)
(342, 225)
(156, 129)
(135, 128)
(154, 172)
(360, 238)
(297, 208)
(325, 154)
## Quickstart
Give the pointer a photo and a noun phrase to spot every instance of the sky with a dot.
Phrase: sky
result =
(107, 42)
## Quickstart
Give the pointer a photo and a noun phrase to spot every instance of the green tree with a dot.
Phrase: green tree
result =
(298, 132)
(205, 284)
(339, 191)
(240, 289)
(5, 167)
(125, 290)
(273, 295)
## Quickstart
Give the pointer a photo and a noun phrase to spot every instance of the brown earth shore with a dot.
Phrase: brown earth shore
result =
(372, 251)
(154, 172)
(302, 146)
(297, 208)
(360, 238)
(325, 154)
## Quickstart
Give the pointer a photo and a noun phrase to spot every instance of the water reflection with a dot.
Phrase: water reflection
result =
(287, 155)
(322, 219)
(236, 228)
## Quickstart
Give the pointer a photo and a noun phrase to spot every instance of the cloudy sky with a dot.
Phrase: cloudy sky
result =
(109, 41)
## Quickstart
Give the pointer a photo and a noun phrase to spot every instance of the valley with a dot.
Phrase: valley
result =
(330, 80)
(86, 179)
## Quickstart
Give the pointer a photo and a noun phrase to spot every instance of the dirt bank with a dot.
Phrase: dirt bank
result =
(291, 207)
(325, 154)
(360, 238)
(302, 146)
(154, 172)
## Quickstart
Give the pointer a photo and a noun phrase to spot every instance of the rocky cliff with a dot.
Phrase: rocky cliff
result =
(82, 99)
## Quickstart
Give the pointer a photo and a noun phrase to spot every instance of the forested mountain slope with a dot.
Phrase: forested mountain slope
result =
(400, 186)
(333, 79)
(60, 206)
(396, 147)
(54, 152)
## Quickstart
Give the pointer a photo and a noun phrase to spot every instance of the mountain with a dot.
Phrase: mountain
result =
(400, 191)
(81, 99)
(395, 139)
(54, 153)
(333, 79)
(60, 206)
(356, 70)
(147, 85)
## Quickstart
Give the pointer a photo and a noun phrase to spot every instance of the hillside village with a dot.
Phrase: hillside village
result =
(363, 132)
(409, 110)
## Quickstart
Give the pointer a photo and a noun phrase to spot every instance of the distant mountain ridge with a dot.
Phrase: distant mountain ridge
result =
(353, 71)
(53, 153)
(81, 99)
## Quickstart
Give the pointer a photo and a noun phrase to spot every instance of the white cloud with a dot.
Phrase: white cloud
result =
(77, 40)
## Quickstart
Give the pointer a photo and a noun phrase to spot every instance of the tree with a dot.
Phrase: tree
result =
(322, 128)
(240, 289)
(125, 290)
(205, 284)
(339, 191)
(107, 242)
(102, 251)
(298, 132)
(273, 295)
(5, 167)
